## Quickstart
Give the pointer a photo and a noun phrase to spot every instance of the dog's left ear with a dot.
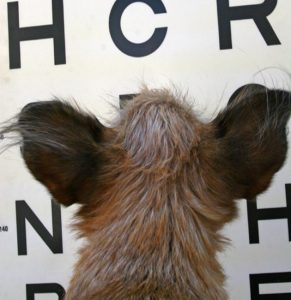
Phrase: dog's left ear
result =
(249, 142)
(64, 148)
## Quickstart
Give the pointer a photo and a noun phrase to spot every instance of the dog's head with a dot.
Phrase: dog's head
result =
(236, 154)
(156, 187)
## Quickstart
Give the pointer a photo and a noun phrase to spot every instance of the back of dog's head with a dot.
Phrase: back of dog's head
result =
(156, 188)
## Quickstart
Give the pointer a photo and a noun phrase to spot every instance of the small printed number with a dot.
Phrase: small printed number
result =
(3, 228)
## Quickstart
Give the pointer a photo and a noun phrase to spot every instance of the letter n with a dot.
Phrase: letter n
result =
(24, 213)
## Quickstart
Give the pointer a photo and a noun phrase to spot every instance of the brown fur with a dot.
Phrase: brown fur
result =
(157, 188)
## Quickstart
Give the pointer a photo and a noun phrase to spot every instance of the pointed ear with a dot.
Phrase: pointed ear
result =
(63, 147)
(250, 139)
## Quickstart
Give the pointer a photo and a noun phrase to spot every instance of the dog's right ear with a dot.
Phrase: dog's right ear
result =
(249, 142)
(65, 148)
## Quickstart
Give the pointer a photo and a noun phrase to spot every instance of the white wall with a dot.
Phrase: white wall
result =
(96, 73)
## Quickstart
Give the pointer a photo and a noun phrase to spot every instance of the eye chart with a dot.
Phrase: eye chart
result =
(98, 52)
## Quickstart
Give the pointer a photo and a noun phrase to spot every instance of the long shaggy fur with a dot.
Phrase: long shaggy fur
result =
(156, 188)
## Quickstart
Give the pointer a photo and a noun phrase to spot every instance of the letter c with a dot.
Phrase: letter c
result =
(122, 43)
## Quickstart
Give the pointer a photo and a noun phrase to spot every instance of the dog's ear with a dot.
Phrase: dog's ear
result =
(63, 147)
(249, 142)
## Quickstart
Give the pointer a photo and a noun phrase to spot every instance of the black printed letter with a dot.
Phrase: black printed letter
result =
(255, 214)
(17, 34)
(54, 241)
(44, 288)
(124, 45)
(123, 99)
(257, 12)
(256, 279)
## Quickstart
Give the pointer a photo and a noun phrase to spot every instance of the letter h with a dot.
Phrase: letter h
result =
(18, 34)
(255, 215)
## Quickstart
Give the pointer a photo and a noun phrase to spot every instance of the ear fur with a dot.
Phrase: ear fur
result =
(63, 147)
(250, 136)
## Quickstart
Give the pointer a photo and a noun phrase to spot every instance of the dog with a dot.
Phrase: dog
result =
(156, 188)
